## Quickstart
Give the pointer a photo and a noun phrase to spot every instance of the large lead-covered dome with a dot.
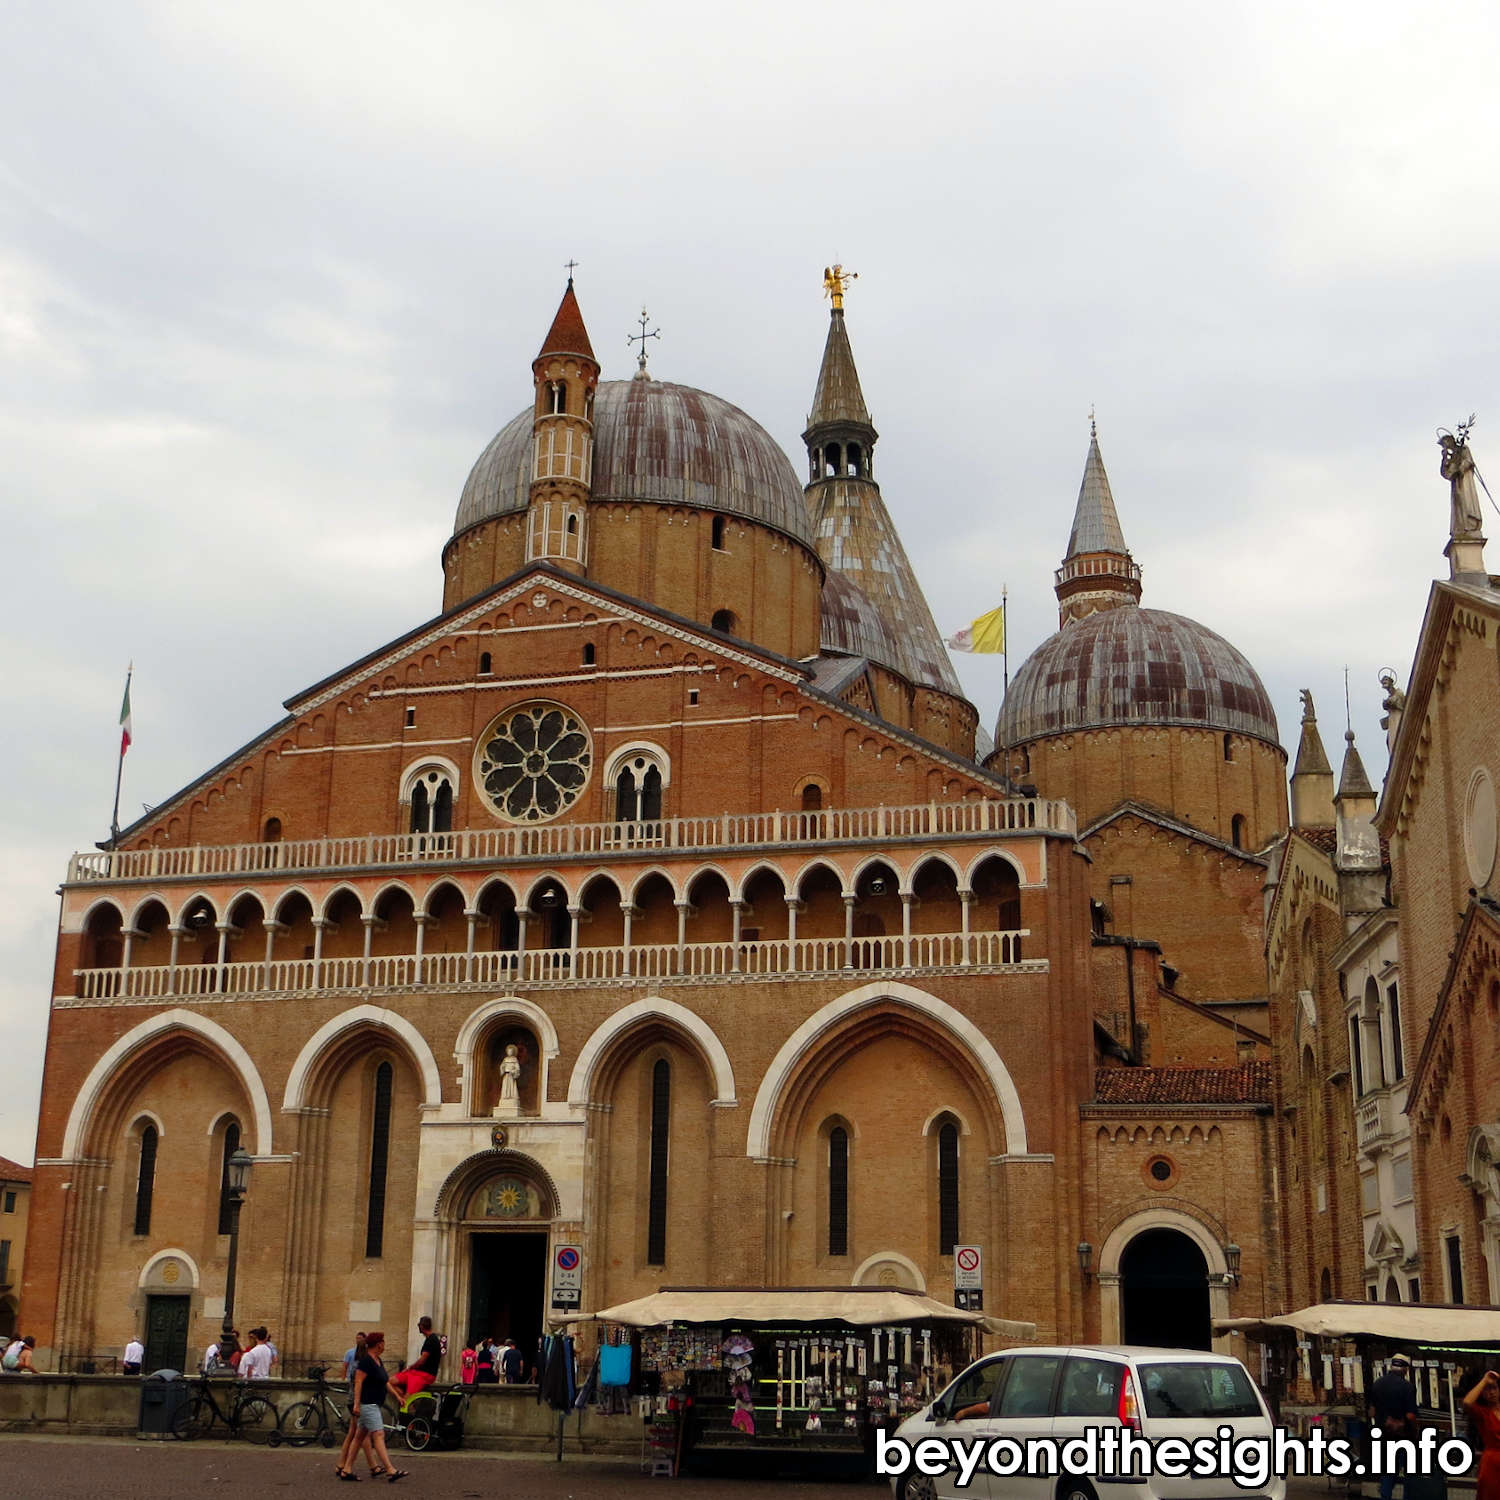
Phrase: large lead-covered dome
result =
(655, 442)
(1132, 666)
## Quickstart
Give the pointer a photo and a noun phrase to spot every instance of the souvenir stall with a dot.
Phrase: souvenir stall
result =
(1317, 1364)
(796, 1372)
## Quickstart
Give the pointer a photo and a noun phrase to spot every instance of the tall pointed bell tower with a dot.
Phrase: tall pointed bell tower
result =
(1098, 571)
(566, 375)
(852, 529)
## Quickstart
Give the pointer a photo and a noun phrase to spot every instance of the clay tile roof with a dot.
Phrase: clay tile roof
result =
(1321, 836)
(1249, 1083)
(567, 334)
(13, 1171)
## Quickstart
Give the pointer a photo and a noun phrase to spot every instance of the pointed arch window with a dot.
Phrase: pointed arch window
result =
(380, 1151)
(145, 1182)
(656, 1214)
(638, 789)
(838, 1191)
(231, 1145)
(947, 1187)
(432, 802)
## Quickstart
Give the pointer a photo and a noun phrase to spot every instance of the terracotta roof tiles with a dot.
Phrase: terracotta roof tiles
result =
(1248, 1083)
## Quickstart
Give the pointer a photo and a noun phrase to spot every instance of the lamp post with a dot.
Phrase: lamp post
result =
(237, 1173)
(1232, 1254)
(1086, 1260)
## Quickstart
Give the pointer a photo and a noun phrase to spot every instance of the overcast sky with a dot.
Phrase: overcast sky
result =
(272, 275)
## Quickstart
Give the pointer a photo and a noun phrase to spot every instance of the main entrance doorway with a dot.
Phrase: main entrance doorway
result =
(507, 1284)
(1164, 1291)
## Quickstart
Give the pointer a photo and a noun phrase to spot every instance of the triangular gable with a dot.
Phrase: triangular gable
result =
(613, 606)
(1148, 814)
(1294, 841)
(1444, 599)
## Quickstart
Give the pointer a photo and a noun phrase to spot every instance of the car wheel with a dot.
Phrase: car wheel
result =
(917, 1487)
(1075, 1489)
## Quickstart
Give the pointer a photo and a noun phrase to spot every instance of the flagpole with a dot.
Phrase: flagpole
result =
(1005, 660)
(114, 817)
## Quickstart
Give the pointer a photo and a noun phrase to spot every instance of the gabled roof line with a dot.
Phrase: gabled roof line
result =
(1476, 910)
(1149, 814)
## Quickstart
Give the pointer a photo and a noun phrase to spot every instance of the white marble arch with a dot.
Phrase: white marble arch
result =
(807, 1036)
(581, 1084)
(1112, 1320)
(468, 1037)
(171, 1254)
(364, 1015)
(230, 1051)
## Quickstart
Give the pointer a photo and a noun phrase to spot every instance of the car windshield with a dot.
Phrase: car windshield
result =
(1198, 1390)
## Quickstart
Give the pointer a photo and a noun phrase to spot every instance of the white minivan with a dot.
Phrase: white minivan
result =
(1062, 1393)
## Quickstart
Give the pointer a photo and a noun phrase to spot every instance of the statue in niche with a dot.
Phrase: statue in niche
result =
(509, 1103)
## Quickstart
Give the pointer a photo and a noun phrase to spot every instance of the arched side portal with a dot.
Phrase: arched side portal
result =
(807, 1037)
(359, 1017)
(581, 1084)
(1163, 1280)
(149, 1032)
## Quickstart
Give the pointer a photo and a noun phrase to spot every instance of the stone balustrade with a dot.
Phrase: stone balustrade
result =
(655, 962)
(561, 841)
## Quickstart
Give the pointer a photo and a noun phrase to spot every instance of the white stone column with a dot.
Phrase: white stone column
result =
(318, 924)
(420, 919)
(370, 921)
(907, 898)
(737, 909)
(627, 911)
(966, 899)
(683, 908)
(174, 957)
(471, 917)
(849, 905)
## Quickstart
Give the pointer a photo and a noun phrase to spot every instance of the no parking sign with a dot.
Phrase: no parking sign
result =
(567, 1278)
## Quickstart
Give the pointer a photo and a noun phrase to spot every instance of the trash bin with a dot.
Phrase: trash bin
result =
(163, 1394)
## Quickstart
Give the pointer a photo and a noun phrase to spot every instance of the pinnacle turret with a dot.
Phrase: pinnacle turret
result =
(1353, 783)
(1312, 776)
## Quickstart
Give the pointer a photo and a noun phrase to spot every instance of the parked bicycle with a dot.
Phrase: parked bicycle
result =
(324, 1419)
(245, 1413)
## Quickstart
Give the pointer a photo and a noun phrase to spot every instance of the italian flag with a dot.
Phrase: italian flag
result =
(125, 716)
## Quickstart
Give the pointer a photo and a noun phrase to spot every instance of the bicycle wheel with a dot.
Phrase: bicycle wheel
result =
(302, 1424)
(194, 1419)
(255, 1419)
(418, 1433)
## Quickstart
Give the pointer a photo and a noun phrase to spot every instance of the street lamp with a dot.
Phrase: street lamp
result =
(1232, 1260)
(1085, 1260)
(237, 1175)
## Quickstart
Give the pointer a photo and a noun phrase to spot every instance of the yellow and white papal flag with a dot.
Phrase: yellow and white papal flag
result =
(986, 634)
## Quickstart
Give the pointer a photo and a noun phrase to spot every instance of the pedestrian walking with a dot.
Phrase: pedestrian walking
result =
(370, 1382)
(424, 1368)
(133, 1358)
(1482, 1402)
(511, 1363)
(1393, 1409)
(351, 1354)
(352, 1444)
(487, 1358)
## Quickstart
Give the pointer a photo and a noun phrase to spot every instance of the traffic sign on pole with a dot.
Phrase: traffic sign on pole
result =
(567, 1278)
(968, 1268)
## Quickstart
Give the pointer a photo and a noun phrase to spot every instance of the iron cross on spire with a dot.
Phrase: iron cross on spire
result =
(572, 266)
(640, 338)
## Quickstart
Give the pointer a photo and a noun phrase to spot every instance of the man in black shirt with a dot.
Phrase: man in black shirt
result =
(511, 1362)
(422, 1371)
(1393, 1409)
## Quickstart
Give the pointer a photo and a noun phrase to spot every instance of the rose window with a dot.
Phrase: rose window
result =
(533, 762)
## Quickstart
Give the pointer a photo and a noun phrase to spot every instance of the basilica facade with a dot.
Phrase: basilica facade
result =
(655, 899)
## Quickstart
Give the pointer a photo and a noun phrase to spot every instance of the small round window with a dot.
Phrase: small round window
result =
(533, 762)
(1160, 1172)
